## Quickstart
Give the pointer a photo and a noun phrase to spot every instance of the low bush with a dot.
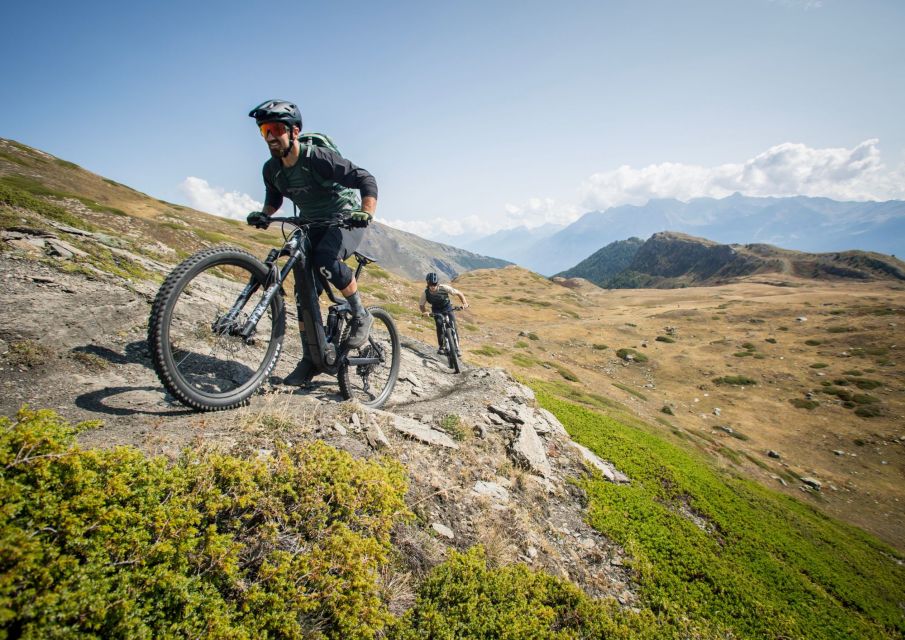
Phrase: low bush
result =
(452, 424)
(464, 598)
(635, 355)
(819, 365)
(28, 354)
(488, 350)
(667, 410)
(770, 340)
(563, 371)
(665, 339)
(600, 347)
(802, 403)
(813, 343)
(735, 380)
(868, 411)
(110, 543)
(865, 383)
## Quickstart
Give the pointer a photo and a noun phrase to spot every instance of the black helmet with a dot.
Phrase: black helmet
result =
(432, 278)
(277, 111)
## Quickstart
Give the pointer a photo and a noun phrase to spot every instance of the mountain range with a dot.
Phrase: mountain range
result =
(669, 260)
(802, 223)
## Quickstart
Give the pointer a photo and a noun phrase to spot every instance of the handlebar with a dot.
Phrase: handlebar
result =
(443, 313)
(347, 223)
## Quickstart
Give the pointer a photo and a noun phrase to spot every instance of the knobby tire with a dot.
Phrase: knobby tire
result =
(188, 286)
(353, 378)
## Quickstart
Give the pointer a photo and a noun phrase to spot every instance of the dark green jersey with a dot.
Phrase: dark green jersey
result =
(321, 184)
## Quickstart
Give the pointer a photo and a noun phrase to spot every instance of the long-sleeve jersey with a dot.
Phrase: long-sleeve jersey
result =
(318, 183)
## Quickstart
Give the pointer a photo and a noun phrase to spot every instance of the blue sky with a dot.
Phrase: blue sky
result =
(472, 115)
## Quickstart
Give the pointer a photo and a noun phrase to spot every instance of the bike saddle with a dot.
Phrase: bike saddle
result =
(363, 259)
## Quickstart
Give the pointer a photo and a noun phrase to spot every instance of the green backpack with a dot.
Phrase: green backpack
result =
(312, 139)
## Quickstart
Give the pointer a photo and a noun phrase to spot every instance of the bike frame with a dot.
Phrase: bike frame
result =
(446, 325)
(324, 342)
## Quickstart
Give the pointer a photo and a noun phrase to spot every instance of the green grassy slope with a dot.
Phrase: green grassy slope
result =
(727, 553)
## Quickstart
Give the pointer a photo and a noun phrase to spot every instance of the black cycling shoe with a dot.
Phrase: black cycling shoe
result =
(441, 351)
(361, 327)
(302, 374)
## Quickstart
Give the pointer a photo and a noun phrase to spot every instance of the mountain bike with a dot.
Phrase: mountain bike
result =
(449, 340)
(217, 325)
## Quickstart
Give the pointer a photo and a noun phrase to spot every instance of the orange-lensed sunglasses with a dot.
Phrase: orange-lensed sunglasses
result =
(276, 129)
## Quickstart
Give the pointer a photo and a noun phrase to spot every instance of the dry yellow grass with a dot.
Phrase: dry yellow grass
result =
(750, 329)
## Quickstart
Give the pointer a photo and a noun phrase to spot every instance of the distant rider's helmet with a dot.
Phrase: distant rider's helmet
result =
(432, 279)
(277, 111)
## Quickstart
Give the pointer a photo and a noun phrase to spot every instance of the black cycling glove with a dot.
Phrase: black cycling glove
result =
(258, 219)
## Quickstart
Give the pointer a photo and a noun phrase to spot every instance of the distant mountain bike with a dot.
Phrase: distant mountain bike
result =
(217, 326)
(449, 340)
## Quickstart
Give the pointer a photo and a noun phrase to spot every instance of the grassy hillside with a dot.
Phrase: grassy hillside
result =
(736, 559)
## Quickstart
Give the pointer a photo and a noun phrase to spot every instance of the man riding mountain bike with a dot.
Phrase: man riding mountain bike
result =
(320, 183)
(438, 296)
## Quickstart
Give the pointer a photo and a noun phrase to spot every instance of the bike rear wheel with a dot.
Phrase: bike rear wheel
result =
(372, 384)
(203, 365)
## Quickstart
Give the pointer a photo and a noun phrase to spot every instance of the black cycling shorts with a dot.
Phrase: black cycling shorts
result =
(329, 247)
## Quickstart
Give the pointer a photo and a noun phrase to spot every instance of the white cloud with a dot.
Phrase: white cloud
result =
(533, 213)
(787, 169)
(219, 201)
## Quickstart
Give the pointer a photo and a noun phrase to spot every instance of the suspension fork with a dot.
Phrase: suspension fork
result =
(294, 248)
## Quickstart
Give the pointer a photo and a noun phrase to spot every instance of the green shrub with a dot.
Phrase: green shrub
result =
(802, 403)
(739, 381)
(865, 383)
(464, 598)
(770, 340)
(452, 424)
(868, 411)
(524, 360)
(843, 394)
(839, 330)
(110, 543)
(853, 372)
(599, 347)
(521, 344)
(749, 346)
(813, 343)
(743, 354)
(667, 410)
(28, 354)
(864, 398)
(636, 356)
(665, 339)
(819, 365)
(488, 350)
(533, 336)
(563, 371)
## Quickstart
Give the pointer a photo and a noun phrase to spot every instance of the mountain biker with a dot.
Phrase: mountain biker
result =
(319, 181)
(438, 296)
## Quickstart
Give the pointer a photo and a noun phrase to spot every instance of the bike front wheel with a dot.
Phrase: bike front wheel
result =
(372, 384)
(193, 338)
